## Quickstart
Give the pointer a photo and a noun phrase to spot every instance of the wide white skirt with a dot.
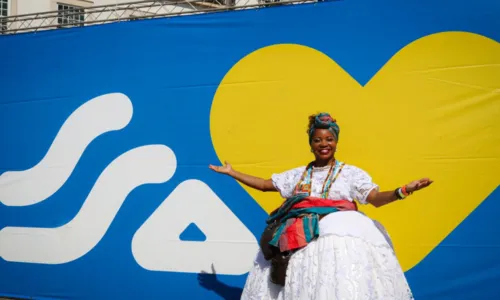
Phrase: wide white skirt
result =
(353, 259)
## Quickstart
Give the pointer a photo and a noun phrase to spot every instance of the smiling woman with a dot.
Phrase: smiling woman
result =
(317, 244)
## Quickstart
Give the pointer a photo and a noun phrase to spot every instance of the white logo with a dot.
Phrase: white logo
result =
(156, 245)
(92, 119)
(229, 245)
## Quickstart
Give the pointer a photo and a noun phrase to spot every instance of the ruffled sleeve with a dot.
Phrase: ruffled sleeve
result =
(361, 185)
(285, 182)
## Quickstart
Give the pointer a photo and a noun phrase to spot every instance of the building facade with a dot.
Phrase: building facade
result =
(29, 15)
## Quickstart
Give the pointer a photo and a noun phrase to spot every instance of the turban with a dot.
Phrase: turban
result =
(324, 121)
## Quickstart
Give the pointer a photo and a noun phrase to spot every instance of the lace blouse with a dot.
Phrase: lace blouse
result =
(352, 184)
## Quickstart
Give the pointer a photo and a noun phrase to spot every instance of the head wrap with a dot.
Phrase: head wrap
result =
(324, 121)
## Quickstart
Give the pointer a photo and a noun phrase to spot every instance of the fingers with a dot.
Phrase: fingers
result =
(422, 183)
(215, 168)
(221, 169)
(425, 181)
(419, 184)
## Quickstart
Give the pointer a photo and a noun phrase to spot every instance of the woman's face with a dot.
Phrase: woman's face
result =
(323, 144)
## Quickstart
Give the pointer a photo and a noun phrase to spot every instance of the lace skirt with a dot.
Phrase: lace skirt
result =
(360, 265)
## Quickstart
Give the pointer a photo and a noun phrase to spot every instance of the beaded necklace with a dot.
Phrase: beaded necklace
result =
(304, 184)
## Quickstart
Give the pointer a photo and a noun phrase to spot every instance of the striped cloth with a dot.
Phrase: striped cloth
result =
(299, 218)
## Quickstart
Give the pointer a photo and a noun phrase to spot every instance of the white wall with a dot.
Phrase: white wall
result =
(35, 6)
(21, 7)
(32, 6)
(152, 11)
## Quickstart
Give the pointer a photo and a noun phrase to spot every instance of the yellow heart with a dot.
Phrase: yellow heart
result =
(432, 111)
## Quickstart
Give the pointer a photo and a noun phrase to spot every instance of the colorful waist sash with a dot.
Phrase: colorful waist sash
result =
(299, 217)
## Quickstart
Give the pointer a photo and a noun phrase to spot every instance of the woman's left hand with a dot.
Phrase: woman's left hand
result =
(418, 185)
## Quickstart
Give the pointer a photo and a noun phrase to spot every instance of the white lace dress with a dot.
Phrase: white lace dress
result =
(352, 259)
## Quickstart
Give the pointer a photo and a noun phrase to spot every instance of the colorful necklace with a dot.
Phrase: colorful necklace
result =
(304, 186)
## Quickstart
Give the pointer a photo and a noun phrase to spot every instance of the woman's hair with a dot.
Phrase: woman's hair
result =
(312, 119)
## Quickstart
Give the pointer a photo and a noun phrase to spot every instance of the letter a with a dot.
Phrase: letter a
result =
(229, 245)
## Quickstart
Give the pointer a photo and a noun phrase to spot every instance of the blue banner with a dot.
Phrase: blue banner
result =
(107, 133)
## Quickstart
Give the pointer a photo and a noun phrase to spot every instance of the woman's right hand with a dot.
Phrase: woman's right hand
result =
(225, 169)
(251, 181)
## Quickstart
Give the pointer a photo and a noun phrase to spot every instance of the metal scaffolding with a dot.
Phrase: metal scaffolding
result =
(74, 17)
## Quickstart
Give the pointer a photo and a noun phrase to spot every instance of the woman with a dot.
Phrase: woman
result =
(346, 255)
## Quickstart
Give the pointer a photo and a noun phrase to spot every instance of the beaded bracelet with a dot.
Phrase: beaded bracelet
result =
(401, 193)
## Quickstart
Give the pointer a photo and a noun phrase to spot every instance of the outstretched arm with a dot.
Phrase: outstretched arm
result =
(379, 199)
(264, 185)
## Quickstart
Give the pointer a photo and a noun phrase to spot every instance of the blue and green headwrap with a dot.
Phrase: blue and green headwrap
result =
(324, 121)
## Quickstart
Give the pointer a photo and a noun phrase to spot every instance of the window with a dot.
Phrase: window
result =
(4, 8)
(70, 15)
(4, 12)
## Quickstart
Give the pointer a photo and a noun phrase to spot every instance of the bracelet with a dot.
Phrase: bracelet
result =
(401, 193)
(403, 190)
